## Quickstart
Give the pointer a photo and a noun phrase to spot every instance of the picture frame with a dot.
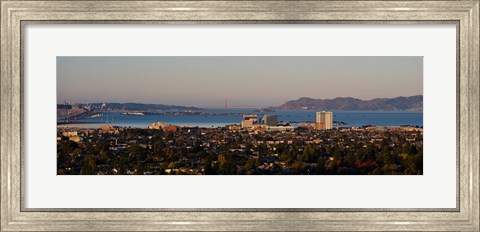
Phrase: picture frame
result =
(15, 217)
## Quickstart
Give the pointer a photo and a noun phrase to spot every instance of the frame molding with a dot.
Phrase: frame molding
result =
(15, 13)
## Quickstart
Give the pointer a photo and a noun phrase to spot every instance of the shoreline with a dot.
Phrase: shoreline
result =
(345, 120)
(97, 126)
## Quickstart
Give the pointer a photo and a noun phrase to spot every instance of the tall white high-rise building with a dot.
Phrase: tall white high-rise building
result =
(324, 120)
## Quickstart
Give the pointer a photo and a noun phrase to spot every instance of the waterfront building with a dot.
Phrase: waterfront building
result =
(107, 128)
(259, 127)
(324, 120)
(158, 125)
(270, 120)
(69, 133)
(248, 120)
(280, 128)
(247, 123)
(163, 126)
(171, 128)
(234, 127)
(76, 139)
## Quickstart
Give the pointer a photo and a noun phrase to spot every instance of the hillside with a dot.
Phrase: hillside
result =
(412, 103)
(136, 106)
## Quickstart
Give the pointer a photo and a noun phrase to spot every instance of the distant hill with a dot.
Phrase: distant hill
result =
(412, 103)
(139, 106)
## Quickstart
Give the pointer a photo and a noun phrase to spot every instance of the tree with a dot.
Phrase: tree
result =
(89, 165)
(139, 170)
(332, 167)
(209, 170)
(250, 164)
(321, 165)
(226, 164)
(223, 163)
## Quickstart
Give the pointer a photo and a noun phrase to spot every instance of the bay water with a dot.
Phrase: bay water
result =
(221, 117)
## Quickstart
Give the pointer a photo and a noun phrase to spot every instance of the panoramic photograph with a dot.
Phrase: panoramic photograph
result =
(239, 115)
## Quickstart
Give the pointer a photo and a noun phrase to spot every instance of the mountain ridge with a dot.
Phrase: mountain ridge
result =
(134, 106)
(410, 103)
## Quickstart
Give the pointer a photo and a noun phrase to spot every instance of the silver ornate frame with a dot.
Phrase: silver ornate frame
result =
(16, 14)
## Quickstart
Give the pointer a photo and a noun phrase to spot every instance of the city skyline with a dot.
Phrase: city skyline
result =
(240, 81)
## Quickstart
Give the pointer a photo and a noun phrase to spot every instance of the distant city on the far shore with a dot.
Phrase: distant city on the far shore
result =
(240, 115)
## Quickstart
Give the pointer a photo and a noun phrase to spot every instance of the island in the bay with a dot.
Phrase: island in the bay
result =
(232, 116)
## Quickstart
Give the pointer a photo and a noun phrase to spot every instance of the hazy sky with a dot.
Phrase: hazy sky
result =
(244, 81)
